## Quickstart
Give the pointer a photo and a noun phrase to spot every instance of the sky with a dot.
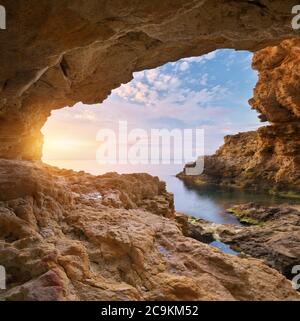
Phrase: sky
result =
(210, 92)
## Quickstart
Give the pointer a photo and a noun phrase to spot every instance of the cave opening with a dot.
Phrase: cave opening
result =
(75, 236)
(209, 92)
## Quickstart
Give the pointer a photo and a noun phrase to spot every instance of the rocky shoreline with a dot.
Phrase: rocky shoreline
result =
(269, 233)
(266, 159)
(74, 236)
(263, 161)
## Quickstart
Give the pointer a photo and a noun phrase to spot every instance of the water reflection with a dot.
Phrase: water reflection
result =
(206, 203)
(198, 203)
(224, 248)
(210, 203)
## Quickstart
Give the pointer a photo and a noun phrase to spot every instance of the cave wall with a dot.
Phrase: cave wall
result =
(59, 52)
(277, 95)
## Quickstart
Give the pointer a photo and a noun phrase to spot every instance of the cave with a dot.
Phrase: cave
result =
(176, 96)
(74, 236)
(61, 67)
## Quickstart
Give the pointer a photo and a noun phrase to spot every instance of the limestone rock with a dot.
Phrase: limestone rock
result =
(267, 159)
(270, 157)
(276, 239)
(57, 53)
(59, 240)
(274, 236)
(276, 95)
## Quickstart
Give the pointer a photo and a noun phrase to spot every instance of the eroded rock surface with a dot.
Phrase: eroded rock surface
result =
(276, 95)
(57, 53)
(73, 236)
(274, 236)
(267, 159)
(270, 157)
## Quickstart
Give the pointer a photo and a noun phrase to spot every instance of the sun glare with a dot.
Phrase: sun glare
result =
(56, 145)
(190, 93)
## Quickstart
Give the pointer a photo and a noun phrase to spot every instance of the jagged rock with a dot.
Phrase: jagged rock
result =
(57, 53)
(73, 236)
(274, 236)
(276, 95)
(267, 159)
(59, 241)
(196, 231)
(256, 214)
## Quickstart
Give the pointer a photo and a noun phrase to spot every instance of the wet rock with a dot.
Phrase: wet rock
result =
(274, 236)
(194, 228)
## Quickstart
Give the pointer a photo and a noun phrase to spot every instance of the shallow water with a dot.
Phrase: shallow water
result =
(206, 203)
(223, 247)
(209, 203)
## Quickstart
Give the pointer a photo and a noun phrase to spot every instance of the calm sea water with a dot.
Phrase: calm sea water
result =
(209, 204)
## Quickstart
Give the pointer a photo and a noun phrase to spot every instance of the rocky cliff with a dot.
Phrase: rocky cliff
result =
(267, 159)
(270, 157)
(70, 236)
(74, 236)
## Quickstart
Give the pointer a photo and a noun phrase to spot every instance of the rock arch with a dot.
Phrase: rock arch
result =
(56, 53)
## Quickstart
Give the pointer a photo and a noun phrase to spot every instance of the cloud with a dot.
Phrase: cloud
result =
(204, 80)
(183, 94)
(147, 86)
(184, 66)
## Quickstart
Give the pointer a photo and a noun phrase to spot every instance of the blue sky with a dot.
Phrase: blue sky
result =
(209, 92)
